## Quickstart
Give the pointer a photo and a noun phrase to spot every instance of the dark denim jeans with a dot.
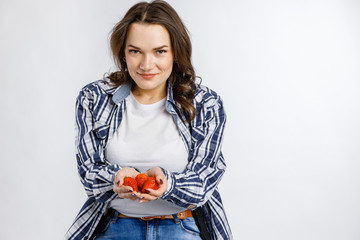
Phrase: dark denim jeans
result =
(138, 229)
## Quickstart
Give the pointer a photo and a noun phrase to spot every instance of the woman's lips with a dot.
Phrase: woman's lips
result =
(147, 76)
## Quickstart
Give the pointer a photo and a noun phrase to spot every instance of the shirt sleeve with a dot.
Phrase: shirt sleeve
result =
(195, 186)
(96, 173)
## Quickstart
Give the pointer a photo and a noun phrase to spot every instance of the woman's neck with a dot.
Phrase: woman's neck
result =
(148, 96)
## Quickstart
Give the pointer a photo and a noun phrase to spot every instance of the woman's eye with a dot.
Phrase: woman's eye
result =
(161, 51)
(134, 51)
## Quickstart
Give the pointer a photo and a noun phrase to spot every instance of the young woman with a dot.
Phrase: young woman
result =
(150, 117)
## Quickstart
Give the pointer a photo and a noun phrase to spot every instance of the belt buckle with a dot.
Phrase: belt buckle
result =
(147, 218)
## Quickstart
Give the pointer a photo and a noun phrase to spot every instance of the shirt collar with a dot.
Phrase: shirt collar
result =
(120, 93)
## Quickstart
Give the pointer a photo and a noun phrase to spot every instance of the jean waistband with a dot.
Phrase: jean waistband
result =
(181, 215)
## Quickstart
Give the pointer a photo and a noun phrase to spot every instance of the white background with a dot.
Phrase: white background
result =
(288, 72)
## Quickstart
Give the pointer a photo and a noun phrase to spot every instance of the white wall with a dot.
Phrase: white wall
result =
(288, 72)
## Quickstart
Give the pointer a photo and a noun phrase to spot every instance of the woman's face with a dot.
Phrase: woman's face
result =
(149, 57)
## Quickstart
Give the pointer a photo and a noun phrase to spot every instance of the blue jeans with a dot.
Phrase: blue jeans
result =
(138, 229)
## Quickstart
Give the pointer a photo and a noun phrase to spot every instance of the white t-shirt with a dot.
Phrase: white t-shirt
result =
(147, 137)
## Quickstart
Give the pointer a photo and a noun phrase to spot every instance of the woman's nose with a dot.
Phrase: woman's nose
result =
(147, 63)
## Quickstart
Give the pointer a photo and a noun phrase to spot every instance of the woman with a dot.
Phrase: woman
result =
(150, 117)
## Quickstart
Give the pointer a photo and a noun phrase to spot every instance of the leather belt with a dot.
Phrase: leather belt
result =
(181, 215)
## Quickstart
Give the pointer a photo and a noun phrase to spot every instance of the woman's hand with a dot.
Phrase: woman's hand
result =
(120, 189)
(151, 194)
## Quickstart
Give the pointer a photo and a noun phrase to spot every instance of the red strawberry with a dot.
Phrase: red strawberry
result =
(141, 179)
(129, 181)
(150, 183)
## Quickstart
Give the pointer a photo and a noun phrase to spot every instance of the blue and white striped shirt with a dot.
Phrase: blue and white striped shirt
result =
(99, 110)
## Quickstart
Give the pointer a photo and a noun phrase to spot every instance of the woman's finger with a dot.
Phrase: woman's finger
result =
(124, 172)
(144, 197)
(131, 196)
(126, 192)
(155, 193)
(122, 189)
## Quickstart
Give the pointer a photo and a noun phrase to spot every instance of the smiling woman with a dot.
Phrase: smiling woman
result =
(149, 60)
(150, 119)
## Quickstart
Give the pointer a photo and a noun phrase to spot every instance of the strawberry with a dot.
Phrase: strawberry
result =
(129, 181)
(141, 179)
(150, 184)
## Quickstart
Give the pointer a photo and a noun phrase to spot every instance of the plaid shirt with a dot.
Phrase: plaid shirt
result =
(99, 110)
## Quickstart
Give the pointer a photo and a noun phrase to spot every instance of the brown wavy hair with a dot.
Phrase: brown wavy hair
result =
(183, 75)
